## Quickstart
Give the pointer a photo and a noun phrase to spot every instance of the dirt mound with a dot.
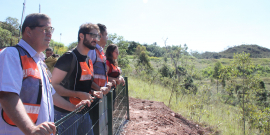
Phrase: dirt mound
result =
(151, 117)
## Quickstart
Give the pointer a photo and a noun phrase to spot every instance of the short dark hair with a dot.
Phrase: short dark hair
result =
(85, 28)
(49, 49)
(33, 20)
(102, 28)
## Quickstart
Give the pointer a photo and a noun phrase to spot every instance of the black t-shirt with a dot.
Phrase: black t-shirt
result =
(64, 64)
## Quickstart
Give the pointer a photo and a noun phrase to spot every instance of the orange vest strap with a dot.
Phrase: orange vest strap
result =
(101, 55)
(114, 68)
(74, 100)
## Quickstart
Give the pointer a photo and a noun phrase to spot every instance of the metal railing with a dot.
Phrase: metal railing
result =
(110, 115)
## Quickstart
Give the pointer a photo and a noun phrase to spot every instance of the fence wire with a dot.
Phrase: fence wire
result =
(79, 122)
(120, 109)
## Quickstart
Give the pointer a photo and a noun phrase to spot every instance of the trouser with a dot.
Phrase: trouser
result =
(78, 124)
(94, 114)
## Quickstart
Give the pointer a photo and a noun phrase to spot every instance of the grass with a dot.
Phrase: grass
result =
(216, 115)
(222, 118)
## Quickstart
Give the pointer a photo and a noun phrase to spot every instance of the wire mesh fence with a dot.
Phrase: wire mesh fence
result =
(108, 115)
(120, 108)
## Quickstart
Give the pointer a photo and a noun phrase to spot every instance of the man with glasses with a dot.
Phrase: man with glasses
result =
(73, 75)
(100, 79)
(26, 95)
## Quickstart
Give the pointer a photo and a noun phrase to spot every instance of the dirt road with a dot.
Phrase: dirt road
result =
(155, 118)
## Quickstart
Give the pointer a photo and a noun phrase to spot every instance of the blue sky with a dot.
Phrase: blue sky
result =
(204, 25)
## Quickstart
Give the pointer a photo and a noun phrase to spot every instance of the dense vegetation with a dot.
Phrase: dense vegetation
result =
(237, 88)
(232, 95)
(255, 51)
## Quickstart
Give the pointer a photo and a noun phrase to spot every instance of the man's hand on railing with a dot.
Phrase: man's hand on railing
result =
(120, 79)
(83, 102)
(109, 85)
(113, 83)
(45, 128)
(85, 96)
(123, 80)
(105, 90)
(98, 94)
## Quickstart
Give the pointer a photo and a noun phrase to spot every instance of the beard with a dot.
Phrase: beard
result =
(89, 45)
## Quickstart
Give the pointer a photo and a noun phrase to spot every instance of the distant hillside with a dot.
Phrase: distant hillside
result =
(254, 50)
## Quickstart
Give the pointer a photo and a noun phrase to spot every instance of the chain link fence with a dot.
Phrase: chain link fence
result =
(108, 115)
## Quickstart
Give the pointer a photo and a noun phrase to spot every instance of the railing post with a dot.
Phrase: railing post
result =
(94, 114)
(110, 112)
(103, 116)
(126, 80)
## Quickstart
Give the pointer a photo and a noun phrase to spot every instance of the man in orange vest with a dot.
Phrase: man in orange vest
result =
(26, 94)
(77, 86)
(100, 78)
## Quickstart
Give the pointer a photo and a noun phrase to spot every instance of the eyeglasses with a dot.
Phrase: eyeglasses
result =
(93, 35)
(45, 29)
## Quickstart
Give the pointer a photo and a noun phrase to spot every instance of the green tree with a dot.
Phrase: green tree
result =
(155, 50)
(58, 48)
(143, 58)
(216, 74)
(72, 45)
(122, 47)
(243, 67)
(132, 47)
(12, 25)
(6, 38)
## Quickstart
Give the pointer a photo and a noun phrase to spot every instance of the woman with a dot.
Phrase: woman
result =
(113, 70)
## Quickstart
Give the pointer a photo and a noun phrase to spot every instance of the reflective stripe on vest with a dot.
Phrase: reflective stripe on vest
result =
(100, 76)
(31, 109)
(2, 49)
(87, 72)
(100, 80)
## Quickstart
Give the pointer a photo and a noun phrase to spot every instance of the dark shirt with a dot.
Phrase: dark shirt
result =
(64, 64)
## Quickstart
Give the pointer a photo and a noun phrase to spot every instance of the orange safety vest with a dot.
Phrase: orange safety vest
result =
(100, 74)
(115, 71)
(30, 71)
(87, 74)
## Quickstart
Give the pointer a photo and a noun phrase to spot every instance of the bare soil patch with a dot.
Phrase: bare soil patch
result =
(155, 118)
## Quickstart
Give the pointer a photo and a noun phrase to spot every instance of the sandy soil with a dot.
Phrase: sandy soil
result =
(155, 118)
